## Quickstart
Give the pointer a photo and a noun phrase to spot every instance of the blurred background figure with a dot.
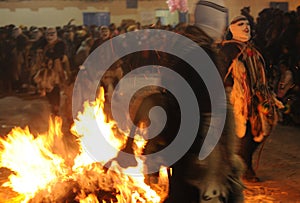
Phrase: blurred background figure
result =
(55, 70)
(246, 12)
(19, 58)
(286, 81)
(212, 17)
(104, 33)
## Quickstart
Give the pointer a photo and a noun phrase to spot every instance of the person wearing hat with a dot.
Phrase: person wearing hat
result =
(254, 105)
(212, 17)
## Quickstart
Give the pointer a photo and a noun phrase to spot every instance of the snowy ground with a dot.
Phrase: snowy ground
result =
(279, 166)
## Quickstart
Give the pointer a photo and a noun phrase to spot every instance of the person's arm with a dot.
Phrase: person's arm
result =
(227, 54)
(285, 83)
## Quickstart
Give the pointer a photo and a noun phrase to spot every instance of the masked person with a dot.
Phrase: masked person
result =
(19, 56)
(254, 105)
(104, 33)
(54, 72)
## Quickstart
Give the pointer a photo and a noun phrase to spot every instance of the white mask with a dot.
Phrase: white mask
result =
(240, 30)
(16, 32)
(51, 35)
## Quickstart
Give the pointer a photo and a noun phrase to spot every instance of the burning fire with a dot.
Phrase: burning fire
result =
(43, 170)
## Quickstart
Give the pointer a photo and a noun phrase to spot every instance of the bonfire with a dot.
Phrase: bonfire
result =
(46, 168)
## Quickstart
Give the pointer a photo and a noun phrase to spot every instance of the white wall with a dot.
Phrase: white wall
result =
(59, 12)
(48, 16)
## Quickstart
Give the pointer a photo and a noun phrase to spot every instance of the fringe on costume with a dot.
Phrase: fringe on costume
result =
(250, 96)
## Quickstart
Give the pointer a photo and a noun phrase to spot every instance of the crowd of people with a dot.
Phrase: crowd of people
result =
(276, 33)
(22, 49)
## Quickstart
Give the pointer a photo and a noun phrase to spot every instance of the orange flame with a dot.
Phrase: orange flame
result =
(32, 160)
(40, 171)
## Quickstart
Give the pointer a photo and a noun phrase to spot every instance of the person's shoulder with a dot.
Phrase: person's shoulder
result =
(60, 43)
(230, 47)
(23, 37)
(231, 44)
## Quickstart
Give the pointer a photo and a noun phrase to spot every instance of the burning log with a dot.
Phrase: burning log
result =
(98, 186)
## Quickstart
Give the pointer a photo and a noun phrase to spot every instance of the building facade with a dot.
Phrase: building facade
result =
(60, 12)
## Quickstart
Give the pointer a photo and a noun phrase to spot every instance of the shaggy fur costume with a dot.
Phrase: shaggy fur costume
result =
(217, 177)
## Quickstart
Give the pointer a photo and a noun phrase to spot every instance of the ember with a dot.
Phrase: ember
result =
(42, 170)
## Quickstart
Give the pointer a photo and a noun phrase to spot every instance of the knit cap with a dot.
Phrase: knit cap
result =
(212, 17)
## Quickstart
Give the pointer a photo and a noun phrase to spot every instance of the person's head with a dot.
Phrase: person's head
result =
(286, 18)
(132, 28)
(89, 41)
(212, 17)
(68, 35)
(51, 35)
(112, 27)
(121, 29)
(240, 29)
(104, 32)
(245, 10)
(37, 33)
(283, 66)
(16, 32)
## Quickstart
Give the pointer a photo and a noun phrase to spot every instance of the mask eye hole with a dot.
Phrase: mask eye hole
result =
(243, 24)
(51, 33)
